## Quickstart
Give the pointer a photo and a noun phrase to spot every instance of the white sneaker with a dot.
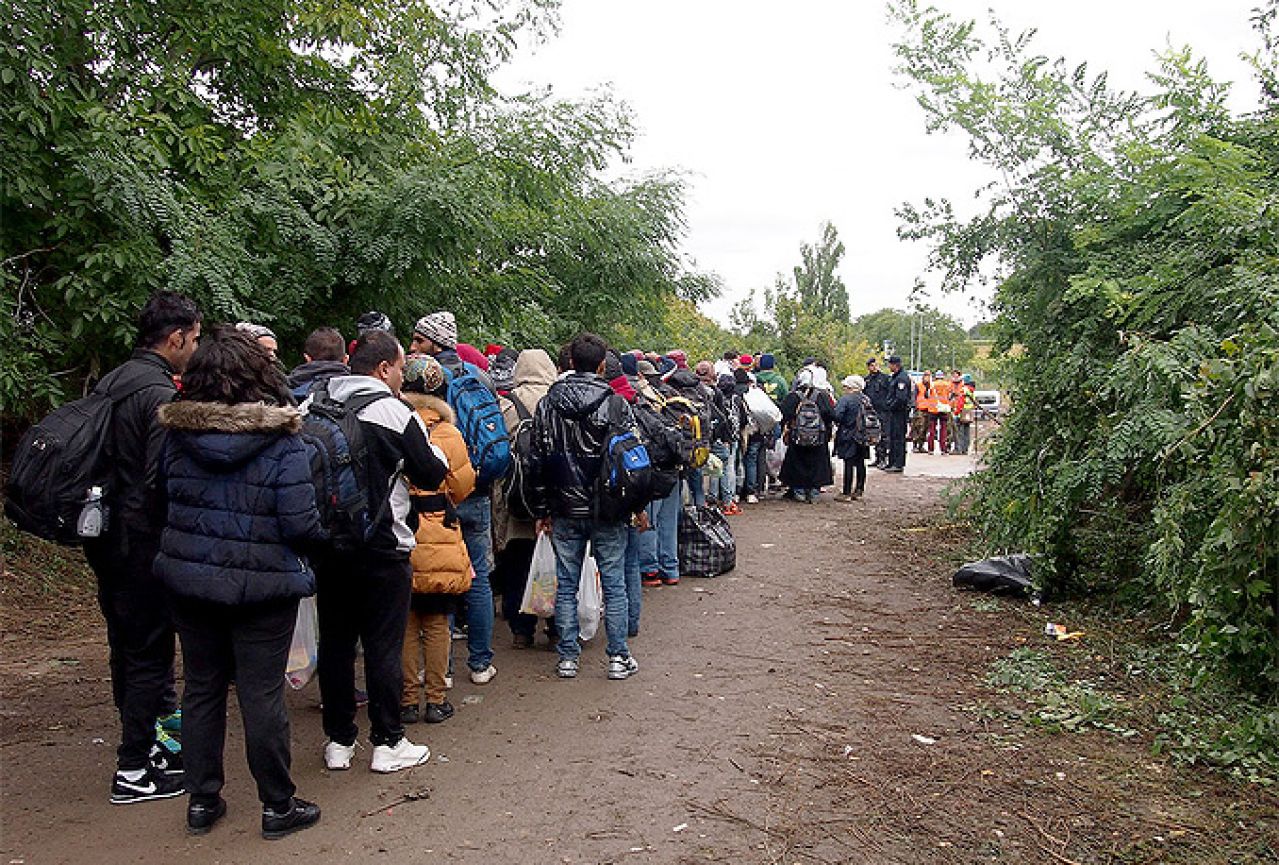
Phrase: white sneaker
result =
(448, 683)
(567, 668)
(402, 755)
(338, 756)
(483, 677)
(622, 666)
(752, 499)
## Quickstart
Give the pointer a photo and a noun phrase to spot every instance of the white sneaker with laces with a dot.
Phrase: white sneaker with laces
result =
(338, 756)
(402, 755)
(622, 666)
(567, 668)
(483, 677)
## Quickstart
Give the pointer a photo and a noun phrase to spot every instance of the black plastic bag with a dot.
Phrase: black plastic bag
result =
(1002, 575)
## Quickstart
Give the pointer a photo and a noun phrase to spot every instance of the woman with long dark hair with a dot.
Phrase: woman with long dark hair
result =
(235, 482)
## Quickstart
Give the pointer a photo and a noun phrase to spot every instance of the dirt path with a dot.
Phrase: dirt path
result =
(823, 703)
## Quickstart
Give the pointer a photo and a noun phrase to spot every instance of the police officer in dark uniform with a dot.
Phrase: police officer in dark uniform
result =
(877, 390)
(901, 393)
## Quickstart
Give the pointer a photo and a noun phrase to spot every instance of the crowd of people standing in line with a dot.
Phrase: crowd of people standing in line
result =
(216, 532)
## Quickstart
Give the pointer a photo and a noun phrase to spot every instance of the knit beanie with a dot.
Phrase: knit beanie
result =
(854, 383)
(766, 361)
(746, 360)
(422, 374)
(630, 365)
(372, 320)
(439, 327)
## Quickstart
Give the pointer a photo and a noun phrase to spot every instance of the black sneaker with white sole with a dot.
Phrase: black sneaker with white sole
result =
(299, 815)
(153, 784)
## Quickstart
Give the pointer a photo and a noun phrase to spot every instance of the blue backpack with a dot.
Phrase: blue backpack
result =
(627, 475)
(339, 467)
(479, 418)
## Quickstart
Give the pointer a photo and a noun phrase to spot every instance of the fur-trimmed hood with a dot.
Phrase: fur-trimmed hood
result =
(428, 404)
(244, 417)
(221, 436)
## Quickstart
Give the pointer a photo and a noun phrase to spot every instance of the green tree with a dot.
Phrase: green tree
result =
(296, 164)
(937, 339)
(817, 286)
(1139, 280)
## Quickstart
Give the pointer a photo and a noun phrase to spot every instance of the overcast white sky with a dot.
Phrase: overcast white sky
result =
(786, 115)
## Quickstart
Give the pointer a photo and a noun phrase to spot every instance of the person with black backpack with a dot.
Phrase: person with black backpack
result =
(577, 431)
(365, 578)
(139, 623)
(807, 413)
(473, 398)
(857, 432)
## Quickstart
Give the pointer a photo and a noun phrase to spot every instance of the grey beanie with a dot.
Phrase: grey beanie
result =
(439, 327)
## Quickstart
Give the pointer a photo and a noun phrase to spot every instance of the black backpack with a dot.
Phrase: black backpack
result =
(869, 430)
(665, 445)
(58, 462)
(339, 467)
(808, 429)
(517, 485)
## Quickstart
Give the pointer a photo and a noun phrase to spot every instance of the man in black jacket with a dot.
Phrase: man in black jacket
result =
(877, 390)
(571, 429)
(139, 625)
(901, 394)
(325, 354)
(364, 595)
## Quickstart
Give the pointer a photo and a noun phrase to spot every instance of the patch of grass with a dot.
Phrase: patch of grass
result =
(1129, 679)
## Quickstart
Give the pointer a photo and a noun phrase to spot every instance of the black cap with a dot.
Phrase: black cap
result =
(894, 358)
(871, 360)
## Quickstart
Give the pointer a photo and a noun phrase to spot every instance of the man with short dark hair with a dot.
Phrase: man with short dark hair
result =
(364, 594)
(325, 357)
(901, 396)
(877, 390)
(139, 625)
(571, 429)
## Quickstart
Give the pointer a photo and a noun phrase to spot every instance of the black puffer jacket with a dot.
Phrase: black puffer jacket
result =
(236, 482)
(570, 432)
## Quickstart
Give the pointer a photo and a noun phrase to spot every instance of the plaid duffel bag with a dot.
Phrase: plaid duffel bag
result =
(706, 544)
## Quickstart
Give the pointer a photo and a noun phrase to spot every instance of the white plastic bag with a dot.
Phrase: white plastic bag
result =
(303, 651)
(763, 411)
(590, 598)
(539, 591)
(775, 456)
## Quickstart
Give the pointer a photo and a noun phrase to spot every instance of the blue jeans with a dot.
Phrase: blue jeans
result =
(476, 516)
(726, 485)
(751, 464)
(569, 536)
(637, 543)
(663, 515)
(696, 489)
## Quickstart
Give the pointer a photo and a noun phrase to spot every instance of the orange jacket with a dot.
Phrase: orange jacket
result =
(440, 561)
(925, 396)
(942, 391)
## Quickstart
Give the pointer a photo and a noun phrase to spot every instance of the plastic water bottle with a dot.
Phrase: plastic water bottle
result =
(92, 515)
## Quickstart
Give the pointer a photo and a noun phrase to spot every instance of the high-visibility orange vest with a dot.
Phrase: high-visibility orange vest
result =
(941, 390)
(925, 397)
